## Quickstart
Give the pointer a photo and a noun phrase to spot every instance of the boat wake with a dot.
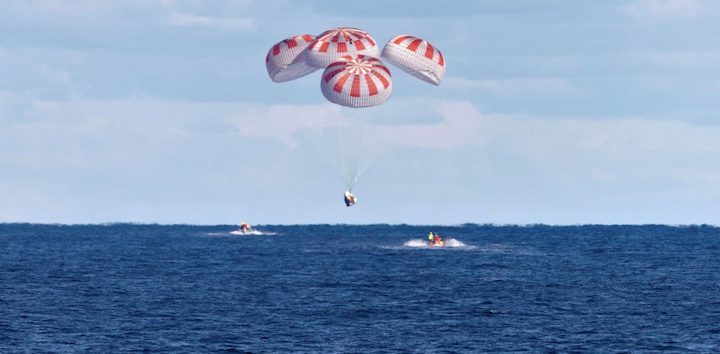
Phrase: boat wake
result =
(252, 233)
(246, 233)
(243, 233)
(449, 243)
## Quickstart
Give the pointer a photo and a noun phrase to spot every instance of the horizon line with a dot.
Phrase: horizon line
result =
(466, 224)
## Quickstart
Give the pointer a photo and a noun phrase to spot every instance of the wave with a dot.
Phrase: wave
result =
(511, 249)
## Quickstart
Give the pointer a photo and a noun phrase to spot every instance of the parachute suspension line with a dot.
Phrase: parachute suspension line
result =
(350, 182)
(367, 157)
(343, 164)
(358, 148)
(353, 172)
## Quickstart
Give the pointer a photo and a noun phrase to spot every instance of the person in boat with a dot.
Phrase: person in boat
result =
(431, 238)
(438, 241)
(350, 199)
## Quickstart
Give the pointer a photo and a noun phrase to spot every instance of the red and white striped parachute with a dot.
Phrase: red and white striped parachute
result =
(353, 76)
(335, 43)
(285, 62)
(417, 57)
(357, 81)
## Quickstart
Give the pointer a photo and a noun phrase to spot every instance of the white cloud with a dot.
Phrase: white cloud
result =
(459, 126)
(188, 20)
(89, 9)
(55, 8)
(665, 9)
(283, 122)
(159, 160)
(456, 124)
(538, 86)
(685, 59)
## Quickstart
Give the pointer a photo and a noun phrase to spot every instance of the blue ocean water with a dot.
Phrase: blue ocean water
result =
(342, 288)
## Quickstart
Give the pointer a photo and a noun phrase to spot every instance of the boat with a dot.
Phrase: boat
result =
(440, 243)
(245, 229)
(435, 240)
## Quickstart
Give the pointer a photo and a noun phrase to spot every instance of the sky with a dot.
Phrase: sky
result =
(556, 112)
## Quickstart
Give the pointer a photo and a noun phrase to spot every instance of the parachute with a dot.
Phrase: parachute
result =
(356, 81)
(416, 57)
(284, 61)
(354, 76)
(335, 43)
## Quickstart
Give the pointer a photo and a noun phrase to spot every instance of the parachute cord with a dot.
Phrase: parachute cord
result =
(343, 163)
(358, 164)
(353, 177)
(354, 181)
(352, 167)
(367, 159)
(350, 184)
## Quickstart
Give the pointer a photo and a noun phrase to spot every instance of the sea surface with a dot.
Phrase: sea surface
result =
(341, 288)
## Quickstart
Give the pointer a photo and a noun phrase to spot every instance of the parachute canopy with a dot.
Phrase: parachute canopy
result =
(335, 43)
(285, 62)
(357, 81)
(353, 76)
(416, 57)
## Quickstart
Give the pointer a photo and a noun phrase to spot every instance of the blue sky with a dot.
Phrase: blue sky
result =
(557, 112)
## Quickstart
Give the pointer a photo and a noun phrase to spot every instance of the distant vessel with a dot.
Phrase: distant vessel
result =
(436, 244)
(245, 229)
(435, 240)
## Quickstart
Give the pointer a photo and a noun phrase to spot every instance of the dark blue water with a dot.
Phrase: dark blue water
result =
(341, 288)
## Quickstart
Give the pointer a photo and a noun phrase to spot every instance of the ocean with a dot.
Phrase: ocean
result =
(372, 288)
